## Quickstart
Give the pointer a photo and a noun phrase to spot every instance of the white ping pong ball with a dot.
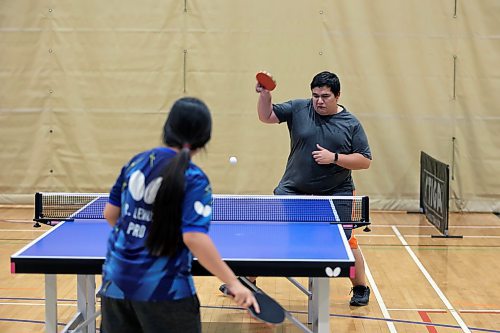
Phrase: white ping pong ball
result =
(233, 160)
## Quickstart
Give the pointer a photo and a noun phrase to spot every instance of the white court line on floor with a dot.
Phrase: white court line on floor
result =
(16, 220)
(417, 310)
(420, 236)
(476, 227)
(23, 230)
(380, 300)
(483, 311)
(33, 304)
(431, 281)
(481, 236)
(433, 227)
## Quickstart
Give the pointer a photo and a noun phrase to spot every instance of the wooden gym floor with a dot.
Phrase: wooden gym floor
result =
(419, 284)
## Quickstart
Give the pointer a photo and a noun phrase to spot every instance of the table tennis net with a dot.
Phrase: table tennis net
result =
(269, 208)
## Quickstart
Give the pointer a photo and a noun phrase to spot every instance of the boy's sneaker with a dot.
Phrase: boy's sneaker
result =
(360, 296)
(223, 287)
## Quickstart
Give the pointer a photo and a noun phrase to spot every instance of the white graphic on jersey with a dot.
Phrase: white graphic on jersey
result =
(201, 209)
(138, 190)
(136, 230)
(151, 190)
(136, 184)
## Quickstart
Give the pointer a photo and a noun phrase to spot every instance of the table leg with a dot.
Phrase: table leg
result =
(311, 302)
(321, 305)
(84, 319)
(50, 303)
(81, 296)
(90, 297)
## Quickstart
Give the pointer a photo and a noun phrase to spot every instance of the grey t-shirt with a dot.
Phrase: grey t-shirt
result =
(341, 133)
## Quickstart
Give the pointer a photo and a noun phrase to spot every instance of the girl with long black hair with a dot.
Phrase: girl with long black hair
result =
(160, 211)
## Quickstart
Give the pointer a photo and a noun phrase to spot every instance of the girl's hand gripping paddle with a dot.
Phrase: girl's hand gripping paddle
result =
(271, 312)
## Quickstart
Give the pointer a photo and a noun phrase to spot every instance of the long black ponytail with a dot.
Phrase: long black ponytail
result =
(188, 127)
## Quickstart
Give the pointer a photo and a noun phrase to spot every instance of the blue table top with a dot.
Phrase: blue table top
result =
(263, 248)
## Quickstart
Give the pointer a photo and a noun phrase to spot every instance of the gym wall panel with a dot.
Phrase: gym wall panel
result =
(84, 85)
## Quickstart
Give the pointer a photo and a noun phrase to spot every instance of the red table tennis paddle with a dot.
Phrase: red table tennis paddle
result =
(266, 80)
(271, 312)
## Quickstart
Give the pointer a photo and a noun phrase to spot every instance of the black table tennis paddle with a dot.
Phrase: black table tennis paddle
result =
(271, 312)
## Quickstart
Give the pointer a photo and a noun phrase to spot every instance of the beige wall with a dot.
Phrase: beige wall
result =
(86, 84)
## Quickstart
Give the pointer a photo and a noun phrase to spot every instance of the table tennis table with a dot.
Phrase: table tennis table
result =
(283, 236)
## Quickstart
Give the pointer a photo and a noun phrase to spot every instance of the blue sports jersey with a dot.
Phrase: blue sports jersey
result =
(130, 271)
